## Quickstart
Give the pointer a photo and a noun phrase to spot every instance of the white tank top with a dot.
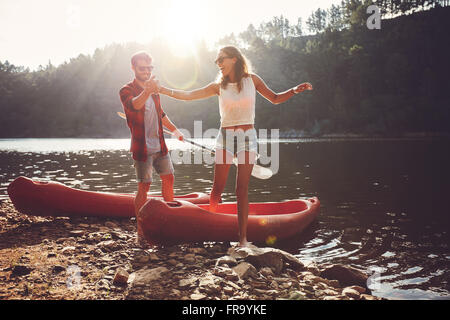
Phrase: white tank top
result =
(237, 108)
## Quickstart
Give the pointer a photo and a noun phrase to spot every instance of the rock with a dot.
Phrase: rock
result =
(109, 245)
(228, 290)
(189, 258)
(351, 293)
(21, 270)
(62, 240)
(329, 292)
(226, 273)
(297, 295)
(197, 296)
(142, 259)
(153, 257)
(51, 255)
(312, 267)
(334, 283)
(58, 269)
(245, 270)
(187, 282)
(121, 277)
(314, 279)
(144, 276)
(226, 260)
(68, 250)
(77, 233)
(368, 297)
(119, 236)
(172, 262)
(266, 272)
(275, 259)
(102, 284)
(330, 298)
(347, 276)
(175, 292)
(358, 288)
(286, 285)
(198, 251)
(210, 284)
(110, 224)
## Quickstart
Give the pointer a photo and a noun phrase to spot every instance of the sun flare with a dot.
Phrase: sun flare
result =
(183, 27)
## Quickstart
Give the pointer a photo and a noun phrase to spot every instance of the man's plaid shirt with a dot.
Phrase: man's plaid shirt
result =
(135, 121)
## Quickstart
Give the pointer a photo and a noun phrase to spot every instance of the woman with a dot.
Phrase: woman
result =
(236, 88)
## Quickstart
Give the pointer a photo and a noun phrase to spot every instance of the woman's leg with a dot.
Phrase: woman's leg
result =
(244, 171)
(221, 168)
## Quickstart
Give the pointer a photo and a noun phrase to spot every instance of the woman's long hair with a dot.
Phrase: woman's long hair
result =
(242, 67)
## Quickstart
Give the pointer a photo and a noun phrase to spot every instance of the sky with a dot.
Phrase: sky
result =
(32, 33)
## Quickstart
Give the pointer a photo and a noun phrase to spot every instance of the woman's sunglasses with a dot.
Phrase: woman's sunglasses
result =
(220, 59)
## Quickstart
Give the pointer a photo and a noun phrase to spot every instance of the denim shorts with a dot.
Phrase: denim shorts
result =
(236, 141)
(144, 169)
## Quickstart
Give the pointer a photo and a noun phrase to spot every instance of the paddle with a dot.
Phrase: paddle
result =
(258, 171)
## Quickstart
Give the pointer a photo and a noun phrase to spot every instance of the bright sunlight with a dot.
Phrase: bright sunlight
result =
(183, 26)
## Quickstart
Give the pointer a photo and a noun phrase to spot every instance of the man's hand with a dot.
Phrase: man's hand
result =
(302, 87)
(177, 134)
(152, 85)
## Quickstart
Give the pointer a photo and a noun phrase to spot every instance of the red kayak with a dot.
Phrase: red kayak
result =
(181, 221)
(48, 198)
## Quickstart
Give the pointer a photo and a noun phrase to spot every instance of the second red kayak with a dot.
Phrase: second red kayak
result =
(180, 221)
(49, 198)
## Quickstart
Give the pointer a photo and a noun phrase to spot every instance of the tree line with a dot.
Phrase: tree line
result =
(389, 81)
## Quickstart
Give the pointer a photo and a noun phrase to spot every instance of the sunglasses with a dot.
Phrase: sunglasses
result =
(142, 69)
(220, 59)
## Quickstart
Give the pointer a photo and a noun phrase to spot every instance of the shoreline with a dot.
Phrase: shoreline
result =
(53, 258)
(288, 134)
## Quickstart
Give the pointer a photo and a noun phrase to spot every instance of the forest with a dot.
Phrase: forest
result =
(391, 81)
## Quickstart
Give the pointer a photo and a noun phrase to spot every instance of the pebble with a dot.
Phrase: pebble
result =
(68, 250)
(228, 260)
(245, 270)
(351, 293)
(197, 296)
(58, 269)
(21, 270)
(121, 277)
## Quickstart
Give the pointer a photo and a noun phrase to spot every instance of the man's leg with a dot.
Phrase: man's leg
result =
(163, 166)
(167, 186)
(139, 201)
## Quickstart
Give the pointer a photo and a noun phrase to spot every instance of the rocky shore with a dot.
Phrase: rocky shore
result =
(52, 258)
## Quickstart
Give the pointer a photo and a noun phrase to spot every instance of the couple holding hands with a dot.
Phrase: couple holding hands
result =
(236, 88)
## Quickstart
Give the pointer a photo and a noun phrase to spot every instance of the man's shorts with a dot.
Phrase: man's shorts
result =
(144, 169)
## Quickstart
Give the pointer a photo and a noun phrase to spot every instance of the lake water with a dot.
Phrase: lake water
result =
(383, 202)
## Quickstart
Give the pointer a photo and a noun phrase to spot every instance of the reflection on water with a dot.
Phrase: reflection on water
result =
(383, 205)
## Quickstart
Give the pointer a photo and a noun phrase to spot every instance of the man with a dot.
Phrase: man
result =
(146, 118)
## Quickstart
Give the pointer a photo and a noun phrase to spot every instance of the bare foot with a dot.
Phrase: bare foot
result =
(245, 244)
(141, 242)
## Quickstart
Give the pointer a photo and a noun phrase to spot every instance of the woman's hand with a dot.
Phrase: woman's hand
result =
(152, 85)
(302, 87)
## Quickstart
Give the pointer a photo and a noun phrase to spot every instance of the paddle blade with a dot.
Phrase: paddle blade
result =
(122, 115)
(258, 171)
(261, 172)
